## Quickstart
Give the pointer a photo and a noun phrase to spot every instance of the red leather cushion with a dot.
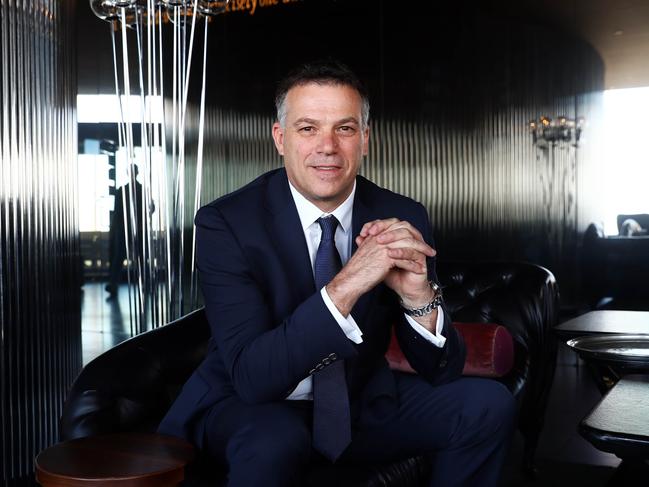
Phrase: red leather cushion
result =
(489, 350)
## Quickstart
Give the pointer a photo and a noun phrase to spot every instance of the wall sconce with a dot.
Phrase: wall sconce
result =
(546, 131)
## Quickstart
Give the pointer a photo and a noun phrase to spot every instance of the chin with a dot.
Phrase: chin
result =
(330, 195)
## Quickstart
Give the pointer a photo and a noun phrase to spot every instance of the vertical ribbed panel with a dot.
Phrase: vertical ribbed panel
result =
(452, 99)
(468, 157)
(238, 148)
(39, 256)
(489, 191)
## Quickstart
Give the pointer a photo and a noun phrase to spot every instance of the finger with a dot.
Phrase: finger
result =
(377, 226)
(407, 224)
(394, 234)
(382, 225)
(411, 243)
(398, 256)
(410, 266)
(361, 240)
(365, 230)
(407, 254)
(403, 225)
(364, 241)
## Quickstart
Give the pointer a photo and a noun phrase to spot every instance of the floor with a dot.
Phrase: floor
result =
(104, 320)
(563, 457)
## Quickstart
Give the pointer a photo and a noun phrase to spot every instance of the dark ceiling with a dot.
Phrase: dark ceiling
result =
(617, 29)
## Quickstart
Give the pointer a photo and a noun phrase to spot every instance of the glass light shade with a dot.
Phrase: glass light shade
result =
(177, 3)
(119, 3)
(133, 16)
(104, 11)
(211, 8)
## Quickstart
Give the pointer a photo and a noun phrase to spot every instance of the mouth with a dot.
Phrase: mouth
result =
(327, 168)
(327, 172)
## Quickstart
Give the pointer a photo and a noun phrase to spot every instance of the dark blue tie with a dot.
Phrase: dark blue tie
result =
(331, 418)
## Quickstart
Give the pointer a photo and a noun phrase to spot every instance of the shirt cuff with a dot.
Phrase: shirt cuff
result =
(347, 325)
(437, 338)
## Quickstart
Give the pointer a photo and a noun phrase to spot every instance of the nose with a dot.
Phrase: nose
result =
(327, 143)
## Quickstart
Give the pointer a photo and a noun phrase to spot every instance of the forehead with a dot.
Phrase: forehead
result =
(311, 99)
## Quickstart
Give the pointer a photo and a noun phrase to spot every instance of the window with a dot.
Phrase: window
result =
(626, 154)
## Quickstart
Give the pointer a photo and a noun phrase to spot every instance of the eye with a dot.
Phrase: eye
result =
(306, 129)
(346, 129)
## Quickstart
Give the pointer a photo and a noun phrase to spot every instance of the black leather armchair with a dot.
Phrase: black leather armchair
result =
(615, 269)
(130, 387)
(640, 222)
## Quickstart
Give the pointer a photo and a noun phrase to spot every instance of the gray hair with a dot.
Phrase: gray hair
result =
(322, 73)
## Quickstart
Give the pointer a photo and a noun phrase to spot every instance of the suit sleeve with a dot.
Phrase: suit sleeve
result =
(265, 359)
(437, 365)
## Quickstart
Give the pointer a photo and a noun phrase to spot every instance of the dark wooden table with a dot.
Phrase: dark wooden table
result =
(618, 424)
(116, 460)
(605, 321)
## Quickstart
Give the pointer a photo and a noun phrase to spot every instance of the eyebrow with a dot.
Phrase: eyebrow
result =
(315, 122)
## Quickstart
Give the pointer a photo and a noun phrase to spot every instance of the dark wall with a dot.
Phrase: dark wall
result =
(40, 342)
(453, 85)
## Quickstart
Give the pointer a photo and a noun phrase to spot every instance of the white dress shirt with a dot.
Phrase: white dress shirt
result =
(309, 214)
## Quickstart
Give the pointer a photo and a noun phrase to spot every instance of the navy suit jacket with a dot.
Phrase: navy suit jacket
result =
(270, 326)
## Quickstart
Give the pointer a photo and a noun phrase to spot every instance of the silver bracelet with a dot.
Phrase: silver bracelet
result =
(427, 308)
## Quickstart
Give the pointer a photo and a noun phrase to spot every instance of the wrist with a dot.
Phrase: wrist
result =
(418, 305)
(342, 294)
(429, 321)
(415, 300)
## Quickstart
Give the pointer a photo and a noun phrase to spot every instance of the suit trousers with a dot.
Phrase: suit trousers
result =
(464, 426)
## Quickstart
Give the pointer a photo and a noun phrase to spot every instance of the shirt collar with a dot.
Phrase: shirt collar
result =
(309, 213)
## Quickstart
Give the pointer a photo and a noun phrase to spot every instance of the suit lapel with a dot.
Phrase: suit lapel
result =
(283, 224)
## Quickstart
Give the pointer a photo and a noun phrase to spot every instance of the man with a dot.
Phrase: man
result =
(304, 272)
(128, 210)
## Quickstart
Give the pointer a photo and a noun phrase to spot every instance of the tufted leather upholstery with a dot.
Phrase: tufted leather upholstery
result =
(525, 299)
(130, 387)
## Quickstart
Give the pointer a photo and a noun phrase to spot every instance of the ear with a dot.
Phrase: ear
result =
(366, 140)
(278, 137)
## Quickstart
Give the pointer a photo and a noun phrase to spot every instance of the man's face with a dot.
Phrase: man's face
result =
(322, 142)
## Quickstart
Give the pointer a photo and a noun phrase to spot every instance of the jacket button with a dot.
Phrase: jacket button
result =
(442, 363)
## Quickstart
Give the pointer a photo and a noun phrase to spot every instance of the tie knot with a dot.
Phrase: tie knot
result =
(328, 225)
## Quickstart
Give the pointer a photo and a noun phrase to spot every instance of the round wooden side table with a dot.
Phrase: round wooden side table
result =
(115, 460)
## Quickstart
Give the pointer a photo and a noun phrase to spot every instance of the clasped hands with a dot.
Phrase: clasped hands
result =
(390, 251)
